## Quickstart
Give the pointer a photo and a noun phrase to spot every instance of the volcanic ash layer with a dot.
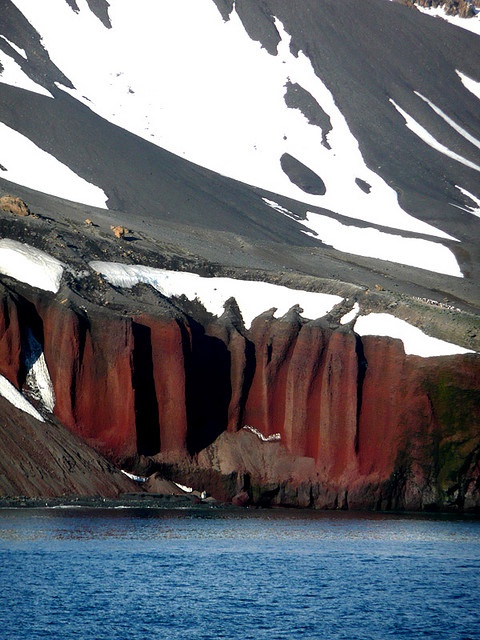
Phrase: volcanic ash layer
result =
(289, 412)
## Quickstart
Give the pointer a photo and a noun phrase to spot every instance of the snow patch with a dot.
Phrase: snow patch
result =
(473, 211)
(183, 487)
(10, 393)
(253, 297)
(34, 168)
(472, 85)
(427, 137)
(275, 437)
(13, 75)
(30, 265)
(351, 315)
(469, 24)
(140, 479)
(415, 341)
(15, 47)
(372, 243)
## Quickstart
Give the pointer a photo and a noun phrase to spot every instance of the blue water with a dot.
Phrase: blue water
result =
(129, 573)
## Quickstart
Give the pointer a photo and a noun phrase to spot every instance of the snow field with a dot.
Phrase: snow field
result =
(239, 92)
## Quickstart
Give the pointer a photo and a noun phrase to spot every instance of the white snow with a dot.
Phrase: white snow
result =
(474, 211)
(183, 487)
(30, 265)
(13, 75)
(18, 49)
(373, 243)
(353, 313)
(415, 341)
(472, 85)
(10, 393)
(469, 24)
(134, 477)
(253, 297)
(427, 137)
(29, 165)
(275, 437)
(451, 122)
(209, 76)
(38, 381)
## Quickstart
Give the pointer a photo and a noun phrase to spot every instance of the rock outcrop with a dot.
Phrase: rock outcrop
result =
(334, 420)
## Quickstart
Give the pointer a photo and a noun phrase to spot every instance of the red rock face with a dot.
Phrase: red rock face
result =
(360, 423)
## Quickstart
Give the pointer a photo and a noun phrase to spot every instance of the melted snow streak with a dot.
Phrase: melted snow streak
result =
(451, 122)
(253, 297)
(275, 437)
(10, 393)
(31, 166)
(415, 342)
(427, 137)
(30, 265)
(240, 93)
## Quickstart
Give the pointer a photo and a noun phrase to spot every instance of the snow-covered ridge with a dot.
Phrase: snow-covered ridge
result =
(38, 269)
(253, 297)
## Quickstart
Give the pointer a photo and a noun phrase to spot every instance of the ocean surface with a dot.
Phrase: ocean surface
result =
(186, 573)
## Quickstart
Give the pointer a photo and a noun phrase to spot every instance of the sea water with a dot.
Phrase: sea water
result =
(197, 574)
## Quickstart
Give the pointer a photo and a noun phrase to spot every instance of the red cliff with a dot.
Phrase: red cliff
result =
(333, 420)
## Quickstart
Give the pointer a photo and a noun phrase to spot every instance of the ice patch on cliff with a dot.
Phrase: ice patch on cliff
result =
(10, 393)
(38, 381)
(33, 167)
(30, 265)
(274, 437)
(253, 297)
(415, 342)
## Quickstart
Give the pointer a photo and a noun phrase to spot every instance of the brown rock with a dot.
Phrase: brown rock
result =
(119, 231)
(14, 205)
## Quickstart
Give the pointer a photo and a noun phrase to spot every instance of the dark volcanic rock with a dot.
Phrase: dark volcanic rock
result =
(302, 176)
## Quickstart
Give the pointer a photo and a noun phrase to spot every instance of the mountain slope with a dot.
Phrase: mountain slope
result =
(316, 161)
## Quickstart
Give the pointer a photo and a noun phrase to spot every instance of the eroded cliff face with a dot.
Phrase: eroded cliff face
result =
(289, 412)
